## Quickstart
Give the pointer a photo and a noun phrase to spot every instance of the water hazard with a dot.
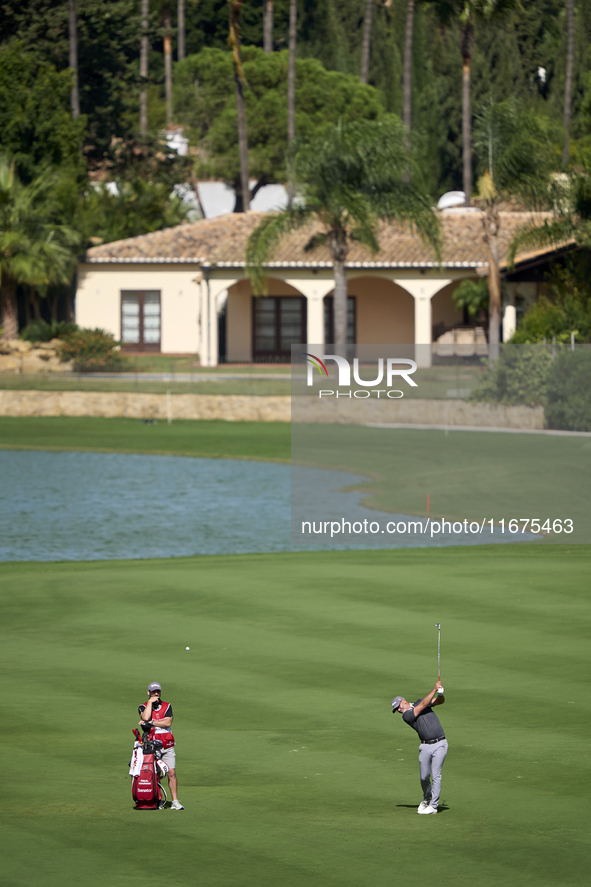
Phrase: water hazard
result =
(97, 506)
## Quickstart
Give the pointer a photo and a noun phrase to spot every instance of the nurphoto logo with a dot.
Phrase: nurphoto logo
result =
(399, 367)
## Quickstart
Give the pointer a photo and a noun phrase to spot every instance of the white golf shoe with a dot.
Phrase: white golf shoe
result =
(426, 810)
(422, 806)
(176, 805)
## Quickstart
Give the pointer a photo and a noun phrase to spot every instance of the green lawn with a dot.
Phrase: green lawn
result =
(162, 363)
(437, 382)
(239, 440)
(292, 770)
(189, 363)
(472, 475)
(137, 384)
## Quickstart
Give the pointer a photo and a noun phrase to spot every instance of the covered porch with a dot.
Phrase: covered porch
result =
(384, 306)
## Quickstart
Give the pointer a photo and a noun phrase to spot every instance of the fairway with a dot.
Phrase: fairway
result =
(291, 767)
(468, 474)
(270, 441)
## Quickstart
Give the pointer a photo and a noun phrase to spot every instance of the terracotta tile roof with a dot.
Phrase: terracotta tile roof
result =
(222, 241)
(542, 251)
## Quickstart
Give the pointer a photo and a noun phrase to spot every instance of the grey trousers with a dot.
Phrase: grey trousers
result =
(431, 758)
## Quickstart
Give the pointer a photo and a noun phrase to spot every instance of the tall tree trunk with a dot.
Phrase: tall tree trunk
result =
(491, 222)
(467, 39)
(166, 25)
(73, 46)
(53, 307)
(35, 303)
(365, 46)
(8, 307)
(239, 81)
(337, 243)
(293, 9)
(242, 143)
(144, 46)
(568, 86)
(238, 198)
(180, 52)
(268, 26)
(407, 74)
(70, 299)
(195, 186)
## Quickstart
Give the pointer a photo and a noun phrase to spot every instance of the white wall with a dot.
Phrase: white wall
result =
(98, 300)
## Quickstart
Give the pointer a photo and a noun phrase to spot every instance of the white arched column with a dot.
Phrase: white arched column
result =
(314, 289)
(509, 312)
(211, 296)
(422, 289)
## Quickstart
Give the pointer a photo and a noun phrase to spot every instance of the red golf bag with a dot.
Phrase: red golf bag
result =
(146, 790)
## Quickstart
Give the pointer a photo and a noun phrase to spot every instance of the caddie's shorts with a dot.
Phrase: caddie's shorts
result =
(169, 757)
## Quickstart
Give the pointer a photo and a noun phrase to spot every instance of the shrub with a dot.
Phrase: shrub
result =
(473, 296)
(566, 306)
(569, 391)
(93, 351)
(41, 331)
(519, 376)
(544, 320)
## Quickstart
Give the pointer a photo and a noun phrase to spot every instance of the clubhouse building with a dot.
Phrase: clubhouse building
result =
(184, 290)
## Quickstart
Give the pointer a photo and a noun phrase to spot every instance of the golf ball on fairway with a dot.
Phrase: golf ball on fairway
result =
(187, 648)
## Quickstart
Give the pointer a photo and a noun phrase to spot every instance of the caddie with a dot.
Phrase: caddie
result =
(433, 748)
(157, 714)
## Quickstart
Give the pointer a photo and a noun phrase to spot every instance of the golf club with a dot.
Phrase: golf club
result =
(438, 627)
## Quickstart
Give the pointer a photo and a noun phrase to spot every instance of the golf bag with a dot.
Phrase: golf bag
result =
(147, 770)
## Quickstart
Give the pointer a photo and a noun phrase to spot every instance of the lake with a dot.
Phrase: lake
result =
(97, 506)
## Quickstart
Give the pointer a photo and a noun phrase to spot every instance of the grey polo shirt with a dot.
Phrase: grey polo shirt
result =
(426, 723)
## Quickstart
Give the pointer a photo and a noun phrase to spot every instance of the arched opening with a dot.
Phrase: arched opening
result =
(444, 314)
(384, 311)
(263, 328)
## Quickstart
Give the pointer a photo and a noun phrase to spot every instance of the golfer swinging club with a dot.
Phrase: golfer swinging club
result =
(433, 748)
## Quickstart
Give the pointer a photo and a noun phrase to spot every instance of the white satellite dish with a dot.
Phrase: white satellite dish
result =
(451, 198)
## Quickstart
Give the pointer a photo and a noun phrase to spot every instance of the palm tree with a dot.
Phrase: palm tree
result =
(365, 46)
(291, 76)
(571, 222)
(144, 47)
(568, 86)
(268, 26)
(73, 48)
(407, 69)
(240, 81)
(33, 249)
(515, 149)
(180, 30)
(469, 13)
(351, 179)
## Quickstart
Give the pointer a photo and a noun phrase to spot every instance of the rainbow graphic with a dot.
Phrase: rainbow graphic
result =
(316, 362)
